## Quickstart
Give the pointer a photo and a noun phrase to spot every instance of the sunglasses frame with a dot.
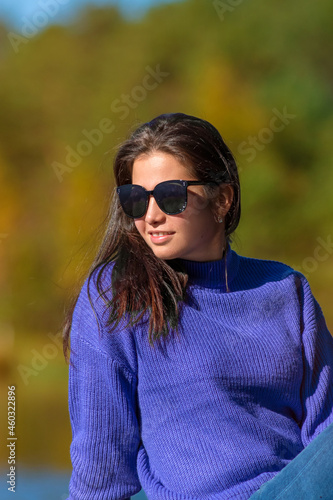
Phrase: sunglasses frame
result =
(148, 193)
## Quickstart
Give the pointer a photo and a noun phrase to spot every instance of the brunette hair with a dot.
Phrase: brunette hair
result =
(141, 282)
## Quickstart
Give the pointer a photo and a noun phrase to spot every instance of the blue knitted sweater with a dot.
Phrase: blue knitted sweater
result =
(212, 413)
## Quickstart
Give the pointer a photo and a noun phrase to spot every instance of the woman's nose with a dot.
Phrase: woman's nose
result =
(154, 213)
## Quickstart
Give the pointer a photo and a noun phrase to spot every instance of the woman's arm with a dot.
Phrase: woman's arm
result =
(102, 406)
(317, 385)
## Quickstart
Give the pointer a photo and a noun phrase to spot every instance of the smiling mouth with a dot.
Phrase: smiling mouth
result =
(160, 233)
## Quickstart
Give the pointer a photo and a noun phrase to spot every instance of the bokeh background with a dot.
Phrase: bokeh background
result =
(75, 78)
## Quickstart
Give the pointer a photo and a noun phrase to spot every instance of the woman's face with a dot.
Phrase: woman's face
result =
(193, 234)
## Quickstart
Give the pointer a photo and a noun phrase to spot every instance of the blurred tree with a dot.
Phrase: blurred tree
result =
(70, 94)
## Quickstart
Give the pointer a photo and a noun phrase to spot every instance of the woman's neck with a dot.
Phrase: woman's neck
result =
(215, 274)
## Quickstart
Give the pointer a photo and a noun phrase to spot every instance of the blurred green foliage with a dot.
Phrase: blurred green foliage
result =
(240, 68)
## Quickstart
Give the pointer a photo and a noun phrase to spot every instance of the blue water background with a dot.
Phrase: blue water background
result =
(32, 484)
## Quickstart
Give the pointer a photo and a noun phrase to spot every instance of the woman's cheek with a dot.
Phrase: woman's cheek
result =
(139, 226)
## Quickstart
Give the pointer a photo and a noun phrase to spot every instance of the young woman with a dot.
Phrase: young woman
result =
(195, 373)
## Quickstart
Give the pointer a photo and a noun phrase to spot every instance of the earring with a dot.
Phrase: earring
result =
(219, 219)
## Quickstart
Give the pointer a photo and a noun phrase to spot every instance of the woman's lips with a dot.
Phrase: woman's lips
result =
(160, 236)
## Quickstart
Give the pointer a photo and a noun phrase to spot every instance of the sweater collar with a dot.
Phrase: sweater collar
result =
(211, 274)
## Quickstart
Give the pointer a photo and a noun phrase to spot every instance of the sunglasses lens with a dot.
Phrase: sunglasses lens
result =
(133, 200)
(171, 197)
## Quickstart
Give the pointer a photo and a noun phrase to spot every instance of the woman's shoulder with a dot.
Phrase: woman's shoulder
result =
(91, 319)
(96, 288)
(261, 271)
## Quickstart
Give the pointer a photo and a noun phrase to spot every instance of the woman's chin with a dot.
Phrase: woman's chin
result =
(165, 253)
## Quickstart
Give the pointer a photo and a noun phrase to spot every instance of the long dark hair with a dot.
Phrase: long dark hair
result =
(141, 282)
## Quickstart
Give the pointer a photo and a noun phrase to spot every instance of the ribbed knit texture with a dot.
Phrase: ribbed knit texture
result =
(212, 413)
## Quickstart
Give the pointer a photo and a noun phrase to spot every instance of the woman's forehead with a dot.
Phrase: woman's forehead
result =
(149, 170)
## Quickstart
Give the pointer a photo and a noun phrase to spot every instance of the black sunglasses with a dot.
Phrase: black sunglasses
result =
(170, 196)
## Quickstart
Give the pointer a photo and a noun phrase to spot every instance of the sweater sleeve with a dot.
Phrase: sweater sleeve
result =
(102, 407)
(317, 384)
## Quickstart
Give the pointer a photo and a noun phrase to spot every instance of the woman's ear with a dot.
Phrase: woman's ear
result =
(226, 195)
